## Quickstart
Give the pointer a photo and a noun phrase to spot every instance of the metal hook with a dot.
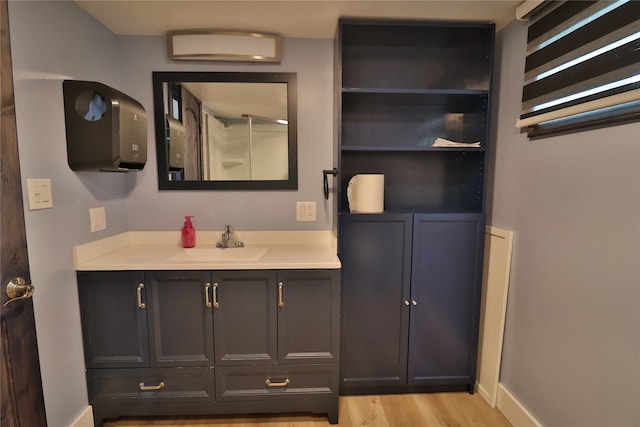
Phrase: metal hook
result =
(326, 172)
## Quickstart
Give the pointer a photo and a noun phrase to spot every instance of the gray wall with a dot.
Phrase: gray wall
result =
(572, 344)
(150, 209)
(56, 40)
(53, 41)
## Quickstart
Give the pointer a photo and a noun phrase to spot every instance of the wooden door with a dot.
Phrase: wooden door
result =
(244, 317)
(180, 318)
(445, 298)
(375, 251)
(308, 316)
(22, 397)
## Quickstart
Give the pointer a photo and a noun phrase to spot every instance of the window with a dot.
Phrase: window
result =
(582, 68)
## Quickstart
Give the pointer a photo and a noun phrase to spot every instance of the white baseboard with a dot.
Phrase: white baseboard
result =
(485, 394)
(85, 419)
(513, 410)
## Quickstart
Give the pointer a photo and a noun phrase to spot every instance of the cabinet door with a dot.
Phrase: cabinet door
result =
(445, 288)
(244, 316)
(375, 251)
(180, 318)
(114, 319)
(308, 316)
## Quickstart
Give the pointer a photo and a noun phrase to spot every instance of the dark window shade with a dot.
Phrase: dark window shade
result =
(625, 57)
(561, 14)
(583, 60)
(598, 29)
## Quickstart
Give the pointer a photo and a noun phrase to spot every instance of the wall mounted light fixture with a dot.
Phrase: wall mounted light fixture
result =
(223, 45)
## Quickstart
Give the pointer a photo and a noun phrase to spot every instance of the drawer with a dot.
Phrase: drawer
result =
(275, 382)
(151, 384)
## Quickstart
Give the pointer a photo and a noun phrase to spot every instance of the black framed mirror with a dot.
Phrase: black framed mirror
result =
(226, 130)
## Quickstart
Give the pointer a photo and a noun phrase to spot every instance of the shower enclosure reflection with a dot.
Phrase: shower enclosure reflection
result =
(226, 130)
(245, 148)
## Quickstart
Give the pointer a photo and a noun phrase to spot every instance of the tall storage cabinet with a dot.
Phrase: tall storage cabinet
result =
(411, 276)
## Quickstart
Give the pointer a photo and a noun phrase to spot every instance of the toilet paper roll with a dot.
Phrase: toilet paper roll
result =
(365, 193)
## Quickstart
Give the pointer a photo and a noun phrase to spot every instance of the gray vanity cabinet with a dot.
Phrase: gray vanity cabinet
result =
(222, 342)
(245, 317)
(180, 322)
(288, 350)
(284, 317)
(148, 340)
(308, 316)
(157, 319)
(114, 327)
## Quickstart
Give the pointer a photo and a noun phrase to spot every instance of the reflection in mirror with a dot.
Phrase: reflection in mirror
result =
(230, 131)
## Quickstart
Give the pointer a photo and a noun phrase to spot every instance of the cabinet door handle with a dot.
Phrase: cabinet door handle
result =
(280, 294)
(406, 302)
(414, 302)
(215, 295)
(141, 305)
(207, 301)
(144, 387)
(280, 384)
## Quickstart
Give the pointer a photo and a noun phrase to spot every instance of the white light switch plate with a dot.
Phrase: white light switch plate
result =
(39, 193)
(305, 211)
(98, 219)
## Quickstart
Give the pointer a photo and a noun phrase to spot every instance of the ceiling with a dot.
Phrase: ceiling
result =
(298, 19)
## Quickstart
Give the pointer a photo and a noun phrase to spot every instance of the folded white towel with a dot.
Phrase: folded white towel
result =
(441, 142)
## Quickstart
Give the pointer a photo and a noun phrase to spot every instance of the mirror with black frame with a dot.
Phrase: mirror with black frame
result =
(226, 130)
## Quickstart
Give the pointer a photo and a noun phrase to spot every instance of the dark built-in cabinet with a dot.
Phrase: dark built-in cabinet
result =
(410, 301)
(223, 342)
(412, 276)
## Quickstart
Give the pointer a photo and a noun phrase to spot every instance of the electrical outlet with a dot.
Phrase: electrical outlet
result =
(305, 211)
(98, 219)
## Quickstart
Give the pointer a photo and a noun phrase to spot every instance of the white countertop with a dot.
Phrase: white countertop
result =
(161, 250)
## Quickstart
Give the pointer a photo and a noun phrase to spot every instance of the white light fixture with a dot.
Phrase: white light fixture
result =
(214, 45)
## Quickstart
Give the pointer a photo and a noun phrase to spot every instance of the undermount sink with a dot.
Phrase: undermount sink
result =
(218, 255)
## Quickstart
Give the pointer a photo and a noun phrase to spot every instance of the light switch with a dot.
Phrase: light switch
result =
(39, 193)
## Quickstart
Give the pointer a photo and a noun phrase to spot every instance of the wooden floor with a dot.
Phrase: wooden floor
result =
(402, 410)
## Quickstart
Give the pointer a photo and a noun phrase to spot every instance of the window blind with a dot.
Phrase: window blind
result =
(582, 67)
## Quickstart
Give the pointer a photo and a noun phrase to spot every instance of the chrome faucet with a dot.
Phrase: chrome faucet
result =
(228, 241)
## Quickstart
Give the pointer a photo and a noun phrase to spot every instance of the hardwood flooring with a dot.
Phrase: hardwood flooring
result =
(391, 410)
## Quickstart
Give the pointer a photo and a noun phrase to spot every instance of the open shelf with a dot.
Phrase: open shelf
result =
(421, 182)
(412, 119)
(414, 55)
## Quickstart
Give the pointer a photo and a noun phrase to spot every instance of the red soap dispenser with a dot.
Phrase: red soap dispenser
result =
(188, 233)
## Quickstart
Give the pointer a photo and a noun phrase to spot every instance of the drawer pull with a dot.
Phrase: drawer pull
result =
(215, 295)
(144, 387)
(207, 301)
(141, 305)
(281, 384)
(280, 294)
